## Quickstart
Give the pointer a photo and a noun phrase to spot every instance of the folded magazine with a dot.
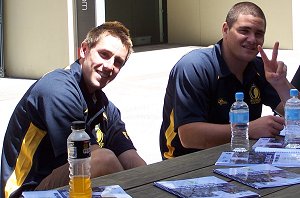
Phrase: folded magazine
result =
(260, 176)
(273, 145)
(278, 159)
(210, 186)
(100, 191)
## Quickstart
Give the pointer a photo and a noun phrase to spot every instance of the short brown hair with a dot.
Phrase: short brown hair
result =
(113, 28)
(245, 8)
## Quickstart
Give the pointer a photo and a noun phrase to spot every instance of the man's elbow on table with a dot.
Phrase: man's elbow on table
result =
(191, 137)
(201, 135)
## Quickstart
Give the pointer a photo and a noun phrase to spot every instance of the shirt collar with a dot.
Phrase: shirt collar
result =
(223, 67)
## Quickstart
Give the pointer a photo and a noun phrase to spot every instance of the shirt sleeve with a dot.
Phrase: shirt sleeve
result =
(53, 104)
(118, 139)
(191, 91)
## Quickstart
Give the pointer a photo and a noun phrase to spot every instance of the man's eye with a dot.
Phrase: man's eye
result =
(243, 31)
(104, 55)
(259, 35)
(118, 63)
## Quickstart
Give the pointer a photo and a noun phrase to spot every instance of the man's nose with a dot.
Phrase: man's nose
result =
(109, 63)
(252, 38)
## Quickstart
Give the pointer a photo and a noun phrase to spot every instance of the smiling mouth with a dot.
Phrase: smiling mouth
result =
(254, 48)
(104, 74)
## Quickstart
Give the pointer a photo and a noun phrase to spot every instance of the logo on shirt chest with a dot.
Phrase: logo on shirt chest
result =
(254, 94)
(100, 136)
(222, 101)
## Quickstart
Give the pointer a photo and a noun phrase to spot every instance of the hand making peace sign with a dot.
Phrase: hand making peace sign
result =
(275, 71)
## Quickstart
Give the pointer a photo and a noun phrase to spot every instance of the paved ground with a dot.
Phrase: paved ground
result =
(138, 91)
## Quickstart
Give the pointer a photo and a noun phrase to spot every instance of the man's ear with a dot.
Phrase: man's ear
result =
(83, 49)
(225, 28)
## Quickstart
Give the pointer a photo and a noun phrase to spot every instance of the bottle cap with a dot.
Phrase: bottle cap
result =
(239, 95)
(77, 125)
(293, 92)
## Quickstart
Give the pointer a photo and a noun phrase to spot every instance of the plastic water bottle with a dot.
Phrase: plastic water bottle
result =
(79, 156)
(292, 120)
(239, 121)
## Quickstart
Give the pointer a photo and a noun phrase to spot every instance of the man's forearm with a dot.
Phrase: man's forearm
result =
(201, 135)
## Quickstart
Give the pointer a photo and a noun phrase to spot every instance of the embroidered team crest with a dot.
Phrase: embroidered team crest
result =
(99, 133)
(99, 136)
(254, 94)
(221, 101)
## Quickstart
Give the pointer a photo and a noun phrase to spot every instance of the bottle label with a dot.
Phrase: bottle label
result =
(292, 114)
(79, 149)
(242, 117)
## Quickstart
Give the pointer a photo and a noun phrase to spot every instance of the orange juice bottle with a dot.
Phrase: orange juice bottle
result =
(79, 156)
(80, 187)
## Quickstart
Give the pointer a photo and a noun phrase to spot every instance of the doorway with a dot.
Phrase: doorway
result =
(146, 19)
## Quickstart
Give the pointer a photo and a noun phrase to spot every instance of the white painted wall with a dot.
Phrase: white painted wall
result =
(36, 37)
(296, 24)
(199, 22)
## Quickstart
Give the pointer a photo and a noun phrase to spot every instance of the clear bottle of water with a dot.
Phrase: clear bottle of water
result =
(79, 156)
(239, 121)
(292, 120)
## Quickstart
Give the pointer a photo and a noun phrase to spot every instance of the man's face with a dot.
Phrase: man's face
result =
(102, 63)
(242, 39)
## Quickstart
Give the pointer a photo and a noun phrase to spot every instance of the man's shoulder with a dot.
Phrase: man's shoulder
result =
(204, 57)
(61, 74)
(57, 73)
(55, 82)
(202, 51)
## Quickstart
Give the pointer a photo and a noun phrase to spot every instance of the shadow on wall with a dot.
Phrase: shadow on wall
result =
(144, 48)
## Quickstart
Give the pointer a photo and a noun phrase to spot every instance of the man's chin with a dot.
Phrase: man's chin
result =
(250, 55)
(101, 85)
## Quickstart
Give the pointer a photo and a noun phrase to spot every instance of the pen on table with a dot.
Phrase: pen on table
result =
(278, 113)
(282, 132)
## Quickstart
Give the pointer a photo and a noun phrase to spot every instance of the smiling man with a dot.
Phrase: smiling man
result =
(34, 155)
(203, 83)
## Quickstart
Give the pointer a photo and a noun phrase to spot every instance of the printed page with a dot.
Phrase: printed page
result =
(260, 176)
(101, 191)
(273, 145)
(204, 187)
(253, 158)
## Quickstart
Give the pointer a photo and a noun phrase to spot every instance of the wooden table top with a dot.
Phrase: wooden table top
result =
(138, 182)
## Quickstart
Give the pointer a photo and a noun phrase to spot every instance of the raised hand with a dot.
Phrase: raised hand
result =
(275, 71)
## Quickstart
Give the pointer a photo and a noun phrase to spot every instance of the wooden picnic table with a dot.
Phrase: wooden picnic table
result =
(138, 182)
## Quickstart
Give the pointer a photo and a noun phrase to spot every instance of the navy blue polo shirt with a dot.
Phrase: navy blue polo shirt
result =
(201, 88)
(35, 142)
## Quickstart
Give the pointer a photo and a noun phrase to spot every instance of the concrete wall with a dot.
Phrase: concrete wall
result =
(296, 24)
(36, 37)
(199, 22)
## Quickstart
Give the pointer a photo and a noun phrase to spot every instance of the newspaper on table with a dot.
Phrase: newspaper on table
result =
(278, 159)
(210, 186)
(260, 176)
(100, 191)
(273, 145)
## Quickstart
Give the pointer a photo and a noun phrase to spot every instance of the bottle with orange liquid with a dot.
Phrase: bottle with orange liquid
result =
(79, 156)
